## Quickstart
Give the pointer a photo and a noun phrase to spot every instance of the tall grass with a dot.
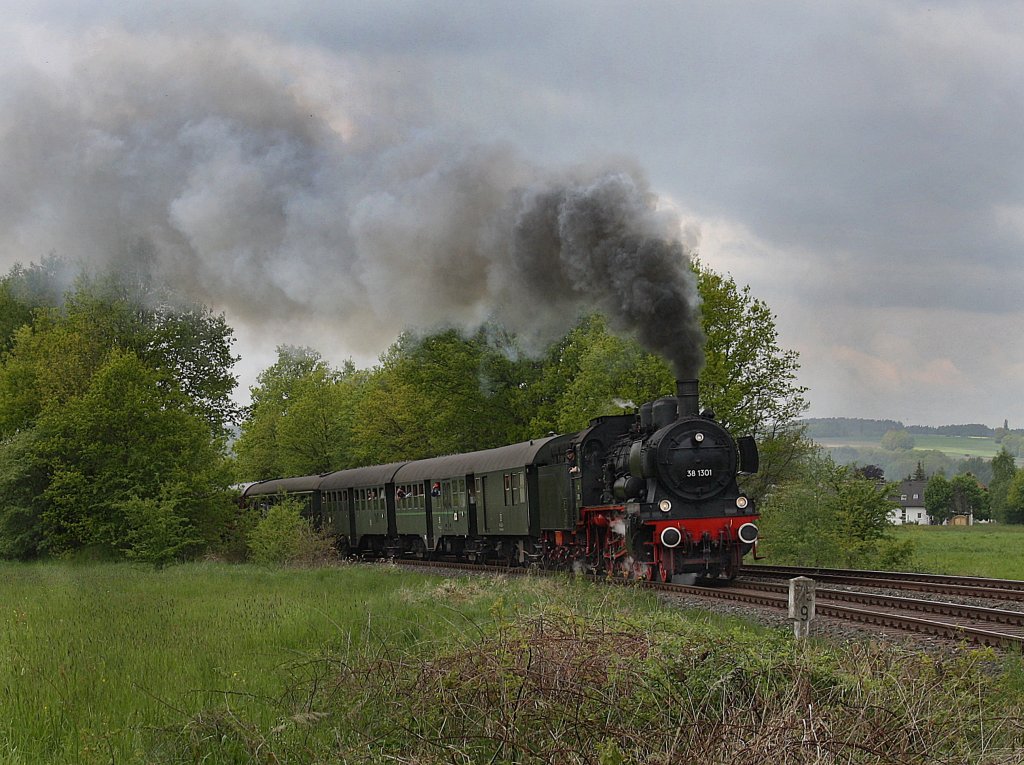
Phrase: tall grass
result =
(95, 658)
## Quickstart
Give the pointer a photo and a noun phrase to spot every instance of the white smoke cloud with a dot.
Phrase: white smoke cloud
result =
(278, 182)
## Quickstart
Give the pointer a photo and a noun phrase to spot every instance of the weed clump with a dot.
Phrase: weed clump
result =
(559, 688)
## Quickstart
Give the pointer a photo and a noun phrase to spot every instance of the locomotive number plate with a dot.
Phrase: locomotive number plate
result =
(699, 473)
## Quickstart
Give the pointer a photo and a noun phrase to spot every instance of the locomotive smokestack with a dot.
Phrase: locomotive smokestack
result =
(686, 394)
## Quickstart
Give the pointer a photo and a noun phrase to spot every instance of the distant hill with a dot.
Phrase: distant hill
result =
(852, 427)
(952, 449)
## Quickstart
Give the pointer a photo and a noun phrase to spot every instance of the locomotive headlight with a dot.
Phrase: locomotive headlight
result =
(747, 533)
(665, 505)
(698, 437)
(671, 537)
(742, 502)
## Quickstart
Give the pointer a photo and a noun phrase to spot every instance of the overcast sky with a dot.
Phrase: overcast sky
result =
(859, 165)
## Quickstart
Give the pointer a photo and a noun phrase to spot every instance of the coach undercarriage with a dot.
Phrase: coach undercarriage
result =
(607, 541)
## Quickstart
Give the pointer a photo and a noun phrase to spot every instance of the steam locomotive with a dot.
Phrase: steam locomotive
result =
(651, 495)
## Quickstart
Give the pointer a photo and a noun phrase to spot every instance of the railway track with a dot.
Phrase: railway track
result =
(961, 586)
(980, 625)
(956, 621)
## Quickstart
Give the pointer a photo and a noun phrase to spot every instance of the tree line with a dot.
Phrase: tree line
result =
(853, 427)
(117, 421)
(999, 498)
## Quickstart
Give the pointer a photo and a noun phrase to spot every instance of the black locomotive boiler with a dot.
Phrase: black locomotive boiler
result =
(652, 495)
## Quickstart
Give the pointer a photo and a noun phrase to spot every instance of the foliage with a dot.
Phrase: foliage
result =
(442, 394)
(284, 536)
(1015, 499)
(23, 479)
(897, 440)
(978, 467)
(158, 531)
(1014, 444)
(112, 421)
(24, 289)
(944, 498)
(831, 516)
(901, 464)
(52, 358)
(782, 458)
(969, 498)
(120, 442)
(870, 472)
(938, 498)
(1004, 469)
(749, 381)
(590, 373)
(301, 418)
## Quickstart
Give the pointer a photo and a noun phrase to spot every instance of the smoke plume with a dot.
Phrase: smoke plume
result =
(282, 184)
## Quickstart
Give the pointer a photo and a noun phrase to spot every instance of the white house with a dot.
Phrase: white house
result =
(911, 504)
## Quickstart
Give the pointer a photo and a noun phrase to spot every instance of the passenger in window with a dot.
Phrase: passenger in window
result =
(435, 490)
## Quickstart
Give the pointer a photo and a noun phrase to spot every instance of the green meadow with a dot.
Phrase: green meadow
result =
(990, 550)
(953, 446)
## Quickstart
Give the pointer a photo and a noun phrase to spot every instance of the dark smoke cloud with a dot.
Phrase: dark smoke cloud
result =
(279, 183)
(603, 244)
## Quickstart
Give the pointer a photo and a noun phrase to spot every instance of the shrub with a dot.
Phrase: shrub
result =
(284, 536)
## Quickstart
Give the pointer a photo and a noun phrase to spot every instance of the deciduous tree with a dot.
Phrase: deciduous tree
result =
(1015, 499)
(112, 414)
(938, 498)
(125, 441)
(897, 440)
(296, 387)
(831, 516)
(1004, 468)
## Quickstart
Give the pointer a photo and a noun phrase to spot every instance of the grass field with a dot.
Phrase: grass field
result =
(356, 664)
(97, 660)
(982, 550)
(954, 446)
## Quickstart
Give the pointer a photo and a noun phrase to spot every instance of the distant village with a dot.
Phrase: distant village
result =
(848, 442)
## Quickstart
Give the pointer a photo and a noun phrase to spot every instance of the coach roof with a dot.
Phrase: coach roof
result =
(485, 461)
(283, 485)
(374, 475)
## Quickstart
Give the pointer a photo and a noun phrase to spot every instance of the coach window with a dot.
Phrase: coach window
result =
(508, 489)
(516, 492)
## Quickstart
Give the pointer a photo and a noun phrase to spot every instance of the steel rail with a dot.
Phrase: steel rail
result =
(908, 576)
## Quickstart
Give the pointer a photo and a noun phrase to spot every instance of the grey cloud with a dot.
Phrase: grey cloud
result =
(873, 147)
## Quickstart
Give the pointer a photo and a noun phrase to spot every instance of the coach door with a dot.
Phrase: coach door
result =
(451, 510)
(441, 502)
